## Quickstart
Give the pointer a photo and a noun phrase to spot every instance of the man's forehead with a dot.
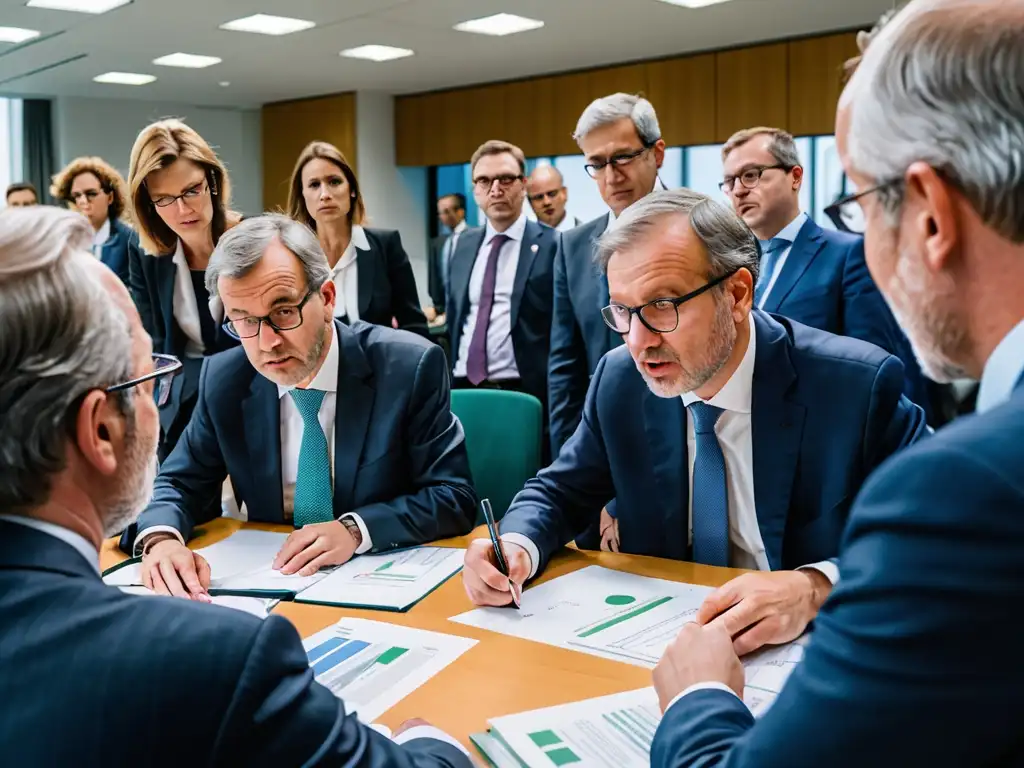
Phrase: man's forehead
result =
(752, 152)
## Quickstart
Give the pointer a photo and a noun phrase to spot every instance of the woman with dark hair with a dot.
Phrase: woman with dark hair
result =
(369, 267)
(94, 188)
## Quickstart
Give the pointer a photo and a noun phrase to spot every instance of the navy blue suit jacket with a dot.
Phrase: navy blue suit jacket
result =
(579, 335)
(825, 412)
(825, 284)
(531, 301)
(386, 284)
(915, 657)
(95, 677)
(114, 252)
(400, 457)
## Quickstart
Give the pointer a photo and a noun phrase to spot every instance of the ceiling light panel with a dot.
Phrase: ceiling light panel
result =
(186, 60)
(499, 25)
(124, 78)
(377, 52)
(16, 34)
(78, 6)
(264, 24)
(694, 3)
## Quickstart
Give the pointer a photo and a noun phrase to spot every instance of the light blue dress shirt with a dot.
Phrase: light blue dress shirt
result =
(1002, 371)
(789, 232)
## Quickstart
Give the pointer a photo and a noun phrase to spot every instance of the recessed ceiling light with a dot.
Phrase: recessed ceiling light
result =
(224, 83)
(377, 52)
(124, 78)
(499, 24)
(187, 60)
(16, 34)
(79, 6)
(264, 24)
(694, 3)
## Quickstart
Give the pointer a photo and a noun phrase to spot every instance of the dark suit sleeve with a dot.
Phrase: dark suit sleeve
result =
(912, 662)
(280, 716)
(445, 503)
(192, 476)
(435, 285)
(140, 293)
(566, 497)
(893, 421)
(567, 364)
(405, 300)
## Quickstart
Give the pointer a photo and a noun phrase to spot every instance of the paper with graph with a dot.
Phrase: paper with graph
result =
(373, 665)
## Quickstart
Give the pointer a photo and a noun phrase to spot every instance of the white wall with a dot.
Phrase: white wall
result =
(396, 198)
(108, 127)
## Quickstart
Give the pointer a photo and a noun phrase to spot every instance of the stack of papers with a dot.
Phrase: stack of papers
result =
(259, 607)
(242, 565)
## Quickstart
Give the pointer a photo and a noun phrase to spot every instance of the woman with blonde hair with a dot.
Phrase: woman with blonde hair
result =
(94, 188)
(180, 200)
(369, 267)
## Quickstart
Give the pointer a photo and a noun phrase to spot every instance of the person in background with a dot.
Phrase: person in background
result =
(21, 195)
(451, 211)
(369, 266)
(95, 189)
(548, 196)
(914, 659)
(118, 679)
(180, 202)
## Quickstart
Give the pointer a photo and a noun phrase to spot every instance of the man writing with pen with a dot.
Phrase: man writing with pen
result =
(728, 436)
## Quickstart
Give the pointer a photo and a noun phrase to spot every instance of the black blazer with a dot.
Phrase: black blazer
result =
(531, 301)
(114, 252)
(435, 275)
(387, 287)
(400, 459)
(134, 670)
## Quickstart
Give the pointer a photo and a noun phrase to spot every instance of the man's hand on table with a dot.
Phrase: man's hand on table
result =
(484, 583)
(699, 654)
(317, 546)
(171, 568)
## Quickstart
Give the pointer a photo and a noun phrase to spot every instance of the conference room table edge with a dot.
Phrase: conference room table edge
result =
(500, 675)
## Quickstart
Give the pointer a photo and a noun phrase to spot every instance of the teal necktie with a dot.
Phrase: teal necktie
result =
(314, 492)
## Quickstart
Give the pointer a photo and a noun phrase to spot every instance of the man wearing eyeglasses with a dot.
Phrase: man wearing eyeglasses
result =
(548, 196)
(499, 288)
(727, 436)
(107, 678)
(344, 431)
(809, 274)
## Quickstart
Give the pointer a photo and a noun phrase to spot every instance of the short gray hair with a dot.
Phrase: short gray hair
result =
(241, 248)
(610, 109)
(729, 243)
(61, 338)
(943, 83)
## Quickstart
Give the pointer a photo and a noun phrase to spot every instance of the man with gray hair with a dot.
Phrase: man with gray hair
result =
(345, 431)
(915, 659)
(105, 678)
(754, 433)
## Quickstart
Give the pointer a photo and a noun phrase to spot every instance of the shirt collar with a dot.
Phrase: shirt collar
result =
(791, 230)
(737, 393)
(102, 234)
(515, 232)
(1003, 370)
(326, 379)
(358, 238)
(74, 540)
(460, 227)
(356, 241)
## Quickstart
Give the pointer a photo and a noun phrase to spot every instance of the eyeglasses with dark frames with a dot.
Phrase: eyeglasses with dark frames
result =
(506, 180)
(751, 177)
(193, 192)
(659, 315)
(89, 194)
(165, 368)
(619, 160)
(283, 318)
(848, 209)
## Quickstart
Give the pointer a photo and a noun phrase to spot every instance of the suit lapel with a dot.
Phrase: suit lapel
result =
(365, 276)
(527, 254)
(167, 277)
(806, 247)
(352, 419)
(261, 412)
(665, 430)
(776, 430)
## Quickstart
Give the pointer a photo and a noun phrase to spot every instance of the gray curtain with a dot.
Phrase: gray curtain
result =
(37, 131)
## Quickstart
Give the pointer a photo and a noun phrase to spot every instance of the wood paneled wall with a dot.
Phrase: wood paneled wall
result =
(290, 125)
(700, 99)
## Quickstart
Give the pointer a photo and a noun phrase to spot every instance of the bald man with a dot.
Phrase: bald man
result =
(548, 197)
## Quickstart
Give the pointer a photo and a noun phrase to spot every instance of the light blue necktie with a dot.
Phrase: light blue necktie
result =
(771, 251)
(710, 495)
(314, 492)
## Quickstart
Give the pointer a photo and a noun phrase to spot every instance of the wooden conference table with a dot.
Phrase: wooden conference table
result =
(500, 675)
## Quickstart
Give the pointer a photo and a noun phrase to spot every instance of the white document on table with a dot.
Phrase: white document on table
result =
(259, 607)
(392, 581)
(373, 665)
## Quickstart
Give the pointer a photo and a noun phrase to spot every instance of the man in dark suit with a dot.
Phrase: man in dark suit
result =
(745, 400)
(499, 290)
(451, 211)
(112, 679)
(915, 658)
(344, 431)
(815, 276)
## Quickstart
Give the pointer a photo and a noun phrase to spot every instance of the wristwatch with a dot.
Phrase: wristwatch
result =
(353, 528)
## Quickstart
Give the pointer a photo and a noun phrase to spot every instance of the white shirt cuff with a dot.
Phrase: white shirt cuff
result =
(709, 686)
(429, 732)
(140, 538)
(826, 568)
(367, 543)
(529, 546)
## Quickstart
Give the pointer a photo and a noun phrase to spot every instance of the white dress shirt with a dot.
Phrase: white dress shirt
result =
(788, 232)
(501, 358)
(1002, 370)
(100, 237)
(185, 306)
(346, 275)
(74, 540)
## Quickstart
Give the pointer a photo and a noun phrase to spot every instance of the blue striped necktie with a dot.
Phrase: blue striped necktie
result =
(710, 493)
(314, 491)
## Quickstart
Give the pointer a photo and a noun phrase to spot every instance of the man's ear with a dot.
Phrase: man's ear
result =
(100, 432)
(329, 292)
(929, 207)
